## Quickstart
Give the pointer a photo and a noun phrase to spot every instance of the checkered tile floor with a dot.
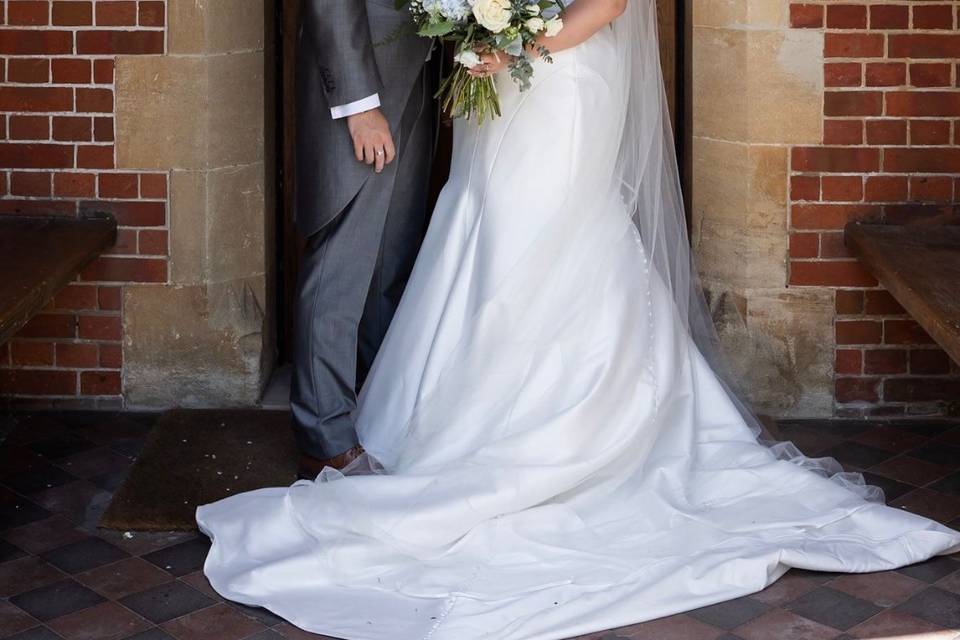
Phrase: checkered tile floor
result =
(61, 578)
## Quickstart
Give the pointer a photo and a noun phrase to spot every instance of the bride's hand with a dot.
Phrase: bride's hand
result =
(491, 62)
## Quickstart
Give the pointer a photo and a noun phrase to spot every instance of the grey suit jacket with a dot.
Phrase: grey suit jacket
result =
(346, 51)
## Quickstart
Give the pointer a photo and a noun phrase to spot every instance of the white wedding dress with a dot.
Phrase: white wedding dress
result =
(557, 456)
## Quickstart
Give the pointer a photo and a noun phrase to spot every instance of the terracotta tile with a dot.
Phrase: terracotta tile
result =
(199, 582)
(80, 419)
(44, 535)
(143, 582)
(928, 427)
(950, 582)
(266, 634)
(784, 625)
(166, 602)
(291, 632)
(934, 605)
(895, 624)
(932, 504)
(16, 459)
(105, 621)
(70, 500)
(16, 510)
(949, 485)
(123, 578)
(892, 489)
(820, 577)
(36, 633)
(26, 574)
(843, 428)
(220, 621)
(833, 608)
(911, 470)
(730, 614)
(84, 555)
(183, 558)
(677, 626)
(261, 615)
(36, 426)
(950, 437)
(811, 441)
(890, 438)
(933, 569)
(854, 454)
(885, 588)
(788, 588)
(40, 477)
(57, 599)
(13, 620)
(937, 453)
(120, 429)
(61, 445)
(110, 481)
(132, 447)
(155, 633)
(10, 551)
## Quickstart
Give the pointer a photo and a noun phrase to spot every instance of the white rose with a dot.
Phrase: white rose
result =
(493, 15)
(535, 25)
(468, 58)
(533, 9)
(554, 26)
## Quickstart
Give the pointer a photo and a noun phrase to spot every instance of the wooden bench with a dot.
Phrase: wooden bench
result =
(39, 256)
(919, 264)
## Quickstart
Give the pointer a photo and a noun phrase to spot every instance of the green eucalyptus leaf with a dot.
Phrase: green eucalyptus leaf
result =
(435, 29)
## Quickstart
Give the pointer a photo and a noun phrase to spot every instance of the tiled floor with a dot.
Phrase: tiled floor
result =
(62, 578)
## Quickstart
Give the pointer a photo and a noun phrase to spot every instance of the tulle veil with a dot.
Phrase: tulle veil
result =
(648, 171)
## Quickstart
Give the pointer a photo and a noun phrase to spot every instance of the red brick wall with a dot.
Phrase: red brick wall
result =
(57, 157)
(891, 132)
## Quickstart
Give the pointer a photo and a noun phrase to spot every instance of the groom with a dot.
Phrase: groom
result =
(365, 131)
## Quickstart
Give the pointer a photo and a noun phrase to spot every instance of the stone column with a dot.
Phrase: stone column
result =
(757, 90)
(204, 338)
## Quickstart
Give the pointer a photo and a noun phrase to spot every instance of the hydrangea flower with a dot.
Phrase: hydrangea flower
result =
(430, 6)
(456, 10)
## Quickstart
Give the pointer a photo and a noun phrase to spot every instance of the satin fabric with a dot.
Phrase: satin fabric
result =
(554, 457)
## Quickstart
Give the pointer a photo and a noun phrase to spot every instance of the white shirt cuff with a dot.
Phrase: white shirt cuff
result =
(355, 107)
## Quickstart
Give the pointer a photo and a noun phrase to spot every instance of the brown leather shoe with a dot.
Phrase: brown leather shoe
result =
(311, 467)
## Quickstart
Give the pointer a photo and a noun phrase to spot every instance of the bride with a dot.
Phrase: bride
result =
(549, 452)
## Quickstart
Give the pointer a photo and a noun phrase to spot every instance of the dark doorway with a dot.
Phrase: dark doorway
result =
(674, 23)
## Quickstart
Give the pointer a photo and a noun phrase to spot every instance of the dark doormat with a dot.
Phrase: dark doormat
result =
(195, 457)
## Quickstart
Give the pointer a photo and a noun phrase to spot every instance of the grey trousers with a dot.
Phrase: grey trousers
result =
(353, 273)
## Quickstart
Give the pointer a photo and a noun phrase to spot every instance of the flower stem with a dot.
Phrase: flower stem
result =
(464, 96)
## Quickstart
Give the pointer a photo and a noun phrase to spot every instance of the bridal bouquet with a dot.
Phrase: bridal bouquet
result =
(503, 27)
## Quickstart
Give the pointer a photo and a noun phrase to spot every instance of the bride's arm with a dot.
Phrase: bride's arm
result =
(583, 19)
(580, 21)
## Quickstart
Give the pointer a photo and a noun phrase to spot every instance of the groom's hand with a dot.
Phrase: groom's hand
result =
(372, 142)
